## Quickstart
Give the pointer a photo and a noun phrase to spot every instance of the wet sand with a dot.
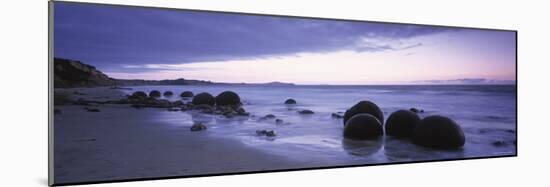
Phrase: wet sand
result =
(121, 142)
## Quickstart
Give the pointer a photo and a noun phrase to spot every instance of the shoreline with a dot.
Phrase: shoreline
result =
(103, 148)
(121, 142)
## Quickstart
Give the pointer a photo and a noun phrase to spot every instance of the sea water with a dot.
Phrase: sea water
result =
(486, 113)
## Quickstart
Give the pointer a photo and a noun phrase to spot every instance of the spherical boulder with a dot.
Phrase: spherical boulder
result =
(138, 95)
(363, 127)
(186, 94)
(438, 132)
(168, 94)
(154, 93)
(203, 98)
(401, 123)
(364, 107)
(228, 98)
(290, 101)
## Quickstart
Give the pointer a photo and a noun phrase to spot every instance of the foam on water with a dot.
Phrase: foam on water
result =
(487, 115)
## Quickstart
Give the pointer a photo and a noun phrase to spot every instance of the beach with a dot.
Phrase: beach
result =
(122, 142)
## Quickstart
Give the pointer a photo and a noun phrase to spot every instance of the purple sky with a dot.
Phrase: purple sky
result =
(130, 42)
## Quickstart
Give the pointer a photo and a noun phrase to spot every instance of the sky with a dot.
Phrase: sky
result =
(157, 44)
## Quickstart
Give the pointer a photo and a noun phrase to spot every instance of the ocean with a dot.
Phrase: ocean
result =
(486, 113)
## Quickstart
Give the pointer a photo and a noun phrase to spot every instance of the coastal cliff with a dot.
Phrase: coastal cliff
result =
(73, 73)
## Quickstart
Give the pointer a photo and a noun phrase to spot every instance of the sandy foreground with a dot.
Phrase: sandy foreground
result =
(121, 142)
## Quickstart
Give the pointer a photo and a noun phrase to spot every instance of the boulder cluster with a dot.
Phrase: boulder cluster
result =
(365, 121)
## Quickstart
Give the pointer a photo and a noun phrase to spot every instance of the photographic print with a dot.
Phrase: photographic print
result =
(150, 93)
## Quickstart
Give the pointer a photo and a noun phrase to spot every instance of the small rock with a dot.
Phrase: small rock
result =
(198, 127)
(306, 112)
(136, 106)
(267, 133)
(160, 103)
(91, 109)
(269, 116)
(184, 108)
(177, 103)
(202, 107)
(336, 116)
(78, 93)
(279, 121)
(230, 114)
(416, 110)
(173, 109)
(290, 101)
(81, 101)
(499, 143)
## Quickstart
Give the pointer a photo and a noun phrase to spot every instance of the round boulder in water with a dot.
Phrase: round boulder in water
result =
(401, 123)
(203, 98)
(363, 127)
(154, 93)
(364, 107)
(228, 98)
(138, 95)
(438, 132)
(290, 101)
(168, 94)
(186, 94)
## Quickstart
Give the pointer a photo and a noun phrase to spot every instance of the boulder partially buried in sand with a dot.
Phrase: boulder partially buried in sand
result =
(401, 123)
(363, 127)
(139, 95)
(438, 132)
(228, 98)
(306, 112)
(364, 107)
(168, 94)
(290, 101)
(154, 94)
(186, 94)
(203, 98)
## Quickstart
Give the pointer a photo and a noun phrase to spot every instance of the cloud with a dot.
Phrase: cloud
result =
(107, 36)
(378, 44)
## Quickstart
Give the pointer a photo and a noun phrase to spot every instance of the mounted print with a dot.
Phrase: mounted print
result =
(139, 93)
